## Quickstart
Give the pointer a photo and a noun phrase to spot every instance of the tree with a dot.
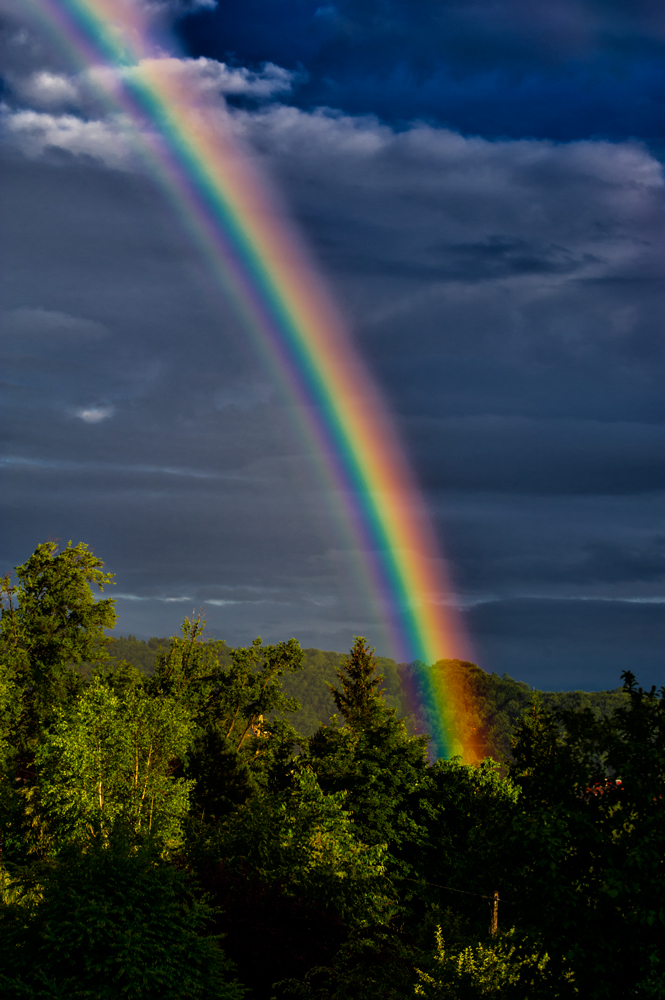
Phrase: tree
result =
(306, 842)
(589, 834)
(358, 699)
(236, 700)
(233, 690)
(109, 764)
(383, 772)
(108, 924)
(51, 621)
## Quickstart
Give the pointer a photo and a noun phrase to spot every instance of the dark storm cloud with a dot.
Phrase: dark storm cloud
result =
(507, 295)
(581, 645)
(247, 548)
(505, 546)
(563, 69)
(138, 416)
(432, 204)
(521, 279)
(521, 455)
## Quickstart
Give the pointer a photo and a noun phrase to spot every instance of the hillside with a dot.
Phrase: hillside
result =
(492, 703)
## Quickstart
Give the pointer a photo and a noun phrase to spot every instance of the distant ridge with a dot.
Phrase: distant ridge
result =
(494, 703)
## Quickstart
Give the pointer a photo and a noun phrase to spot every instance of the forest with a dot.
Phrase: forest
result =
(185, 820)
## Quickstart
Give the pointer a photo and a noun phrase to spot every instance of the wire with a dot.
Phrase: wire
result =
(435, 885)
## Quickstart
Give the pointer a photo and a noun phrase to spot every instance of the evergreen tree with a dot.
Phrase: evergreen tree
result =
(359, 697)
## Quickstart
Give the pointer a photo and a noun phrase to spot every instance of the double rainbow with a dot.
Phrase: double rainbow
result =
(258, 259)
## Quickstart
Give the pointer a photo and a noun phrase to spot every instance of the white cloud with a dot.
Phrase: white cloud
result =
(65, 465)
(34, 133)
(213, 602)
(164, 600)
(204, 80)
(210, 77)
(413, 192)
(63, 112)
(25, 324)
(46, 88)
(95, 414)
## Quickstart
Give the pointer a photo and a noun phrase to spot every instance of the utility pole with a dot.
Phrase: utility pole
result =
(494, 926)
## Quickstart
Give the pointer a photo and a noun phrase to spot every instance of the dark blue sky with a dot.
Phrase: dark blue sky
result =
(482, 187)
(557, 70)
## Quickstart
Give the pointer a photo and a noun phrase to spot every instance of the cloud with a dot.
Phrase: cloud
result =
(208, 76)
(506, 293)
(199, 602)
(244, 395)
(531, 455)
(177, 8)
(205, 79)
(41, 325)
(95, 414)
(65, 465)
(562, 644)
(36, 133)
(77, 122)
(46, 88)
(554, 547)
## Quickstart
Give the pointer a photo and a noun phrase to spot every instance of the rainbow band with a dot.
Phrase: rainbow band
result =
(258, 259)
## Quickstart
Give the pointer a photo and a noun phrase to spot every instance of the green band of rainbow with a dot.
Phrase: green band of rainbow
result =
(257, 258)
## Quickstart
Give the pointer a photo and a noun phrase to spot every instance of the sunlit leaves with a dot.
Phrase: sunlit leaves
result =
(111, 762)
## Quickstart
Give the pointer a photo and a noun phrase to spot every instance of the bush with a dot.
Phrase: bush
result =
(505, 967)
(110, 924)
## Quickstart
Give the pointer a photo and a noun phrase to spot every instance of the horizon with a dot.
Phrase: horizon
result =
(484, 198)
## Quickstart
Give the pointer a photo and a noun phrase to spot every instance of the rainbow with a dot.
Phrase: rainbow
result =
(258, 259)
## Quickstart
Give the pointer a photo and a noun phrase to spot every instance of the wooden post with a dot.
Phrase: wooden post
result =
(494, 926)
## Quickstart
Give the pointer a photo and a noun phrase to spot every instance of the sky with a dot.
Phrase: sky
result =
(480, 184)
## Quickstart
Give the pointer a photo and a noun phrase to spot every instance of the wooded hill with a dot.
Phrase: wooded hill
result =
(494, 704)
(168, 833)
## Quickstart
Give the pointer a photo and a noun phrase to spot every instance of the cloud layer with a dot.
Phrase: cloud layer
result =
(506, 292)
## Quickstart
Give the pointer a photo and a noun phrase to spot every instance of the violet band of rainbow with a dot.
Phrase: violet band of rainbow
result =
(253, 252)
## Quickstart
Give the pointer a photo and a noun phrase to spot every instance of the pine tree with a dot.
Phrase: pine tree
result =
(359, 697)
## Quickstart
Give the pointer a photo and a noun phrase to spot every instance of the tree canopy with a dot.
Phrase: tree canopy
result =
(170, 831)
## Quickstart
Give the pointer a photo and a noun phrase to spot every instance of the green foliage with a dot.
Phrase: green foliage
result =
(468, 807)
(308, 687)
(111, 766)
(383, 771)
(494, 704)
(311, 688)
(235, 690)
(107, 924)
(305, 841)
(503, 967)
(51, 619)
(142, 655)
(50, 622)
(108, 763)
(491, 706)
(591, 826)
(10, 711)
(236, 698)
(358, 698)
(376, 967)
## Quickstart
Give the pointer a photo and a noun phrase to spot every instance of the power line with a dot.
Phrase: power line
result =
(435, 885)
